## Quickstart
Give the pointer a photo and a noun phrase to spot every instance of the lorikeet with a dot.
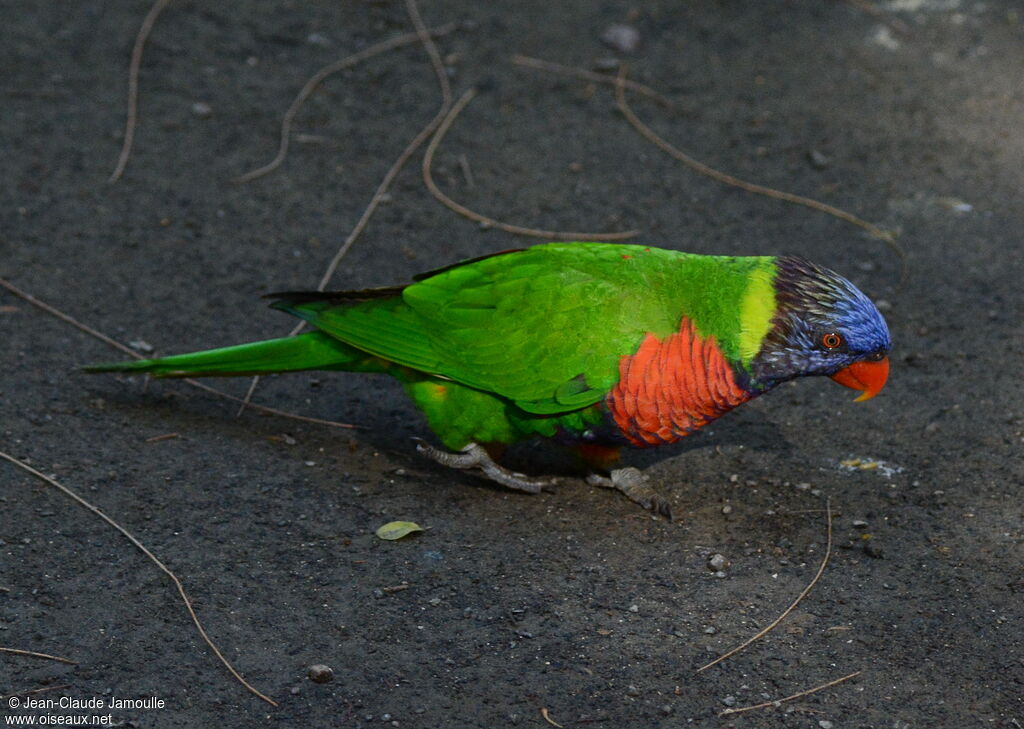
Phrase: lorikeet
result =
(597, 346)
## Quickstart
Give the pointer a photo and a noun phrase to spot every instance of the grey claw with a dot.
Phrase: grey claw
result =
(475, 456)
(634, 485)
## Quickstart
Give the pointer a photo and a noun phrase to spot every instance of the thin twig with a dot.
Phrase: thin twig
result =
(428, 179)
(431, 48)
(697, 166)
(316, 79)
(547, 717)
(446, 95)
(36, 691)
(132, 353)
(133, 87)
(34, 654)
(165, 436)
(256, 378)
(776, 702)
(467, 172)
(25, 296)
(603, 78)
(152, 557)
(787, 611)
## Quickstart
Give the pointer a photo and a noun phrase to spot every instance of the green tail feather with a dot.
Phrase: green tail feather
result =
(310, 351)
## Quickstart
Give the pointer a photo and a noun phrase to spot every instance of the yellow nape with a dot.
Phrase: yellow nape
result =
(757, 310)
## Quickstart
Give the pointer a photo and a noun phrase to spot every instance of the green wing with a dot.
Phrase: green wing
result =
(544, 327)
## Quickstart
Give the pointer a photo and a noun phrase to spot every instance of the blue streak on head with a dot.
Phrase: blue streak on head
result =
(811, 302)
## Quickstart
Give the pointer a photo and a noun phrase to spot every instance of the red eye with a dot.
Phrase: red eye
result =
(831, 340)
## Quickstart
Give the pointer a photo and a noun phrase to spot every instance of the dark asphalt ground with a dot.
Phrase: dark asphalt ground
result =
(907, 113)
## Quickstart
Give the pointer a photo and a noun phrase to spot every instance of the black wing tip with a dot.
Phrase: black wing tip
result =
(288, 299)
(458, 264)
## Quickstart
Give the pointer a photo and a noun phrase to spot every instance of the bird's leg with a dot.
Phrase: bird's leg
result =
(635, 484)
(475, 456)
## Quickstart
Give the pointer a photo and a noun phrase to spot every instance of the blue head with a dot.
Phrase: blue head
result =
(823, 325)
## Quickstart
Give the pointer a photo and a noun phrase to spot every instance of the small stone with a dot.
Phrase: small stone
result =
(634, 608)
(859, 523)
(818, 160)
(318, 39)
(727, 509)
(718, 563)
(729, 701)
(295, 690)
(710, 630)
(141, 345)
(825, 724)
(319, 673)
(632, 690)
(202, 110)
(666, 709)
(883, 305)
(623, 38)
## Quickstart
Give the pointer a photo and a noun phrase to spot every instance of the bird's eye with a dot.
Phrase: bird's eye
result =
(831, 340)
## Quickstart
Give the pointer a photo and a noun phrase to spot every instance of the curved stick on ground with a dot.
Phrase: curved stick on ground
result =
(422, 136)
(133, 87)
(424, 36)
(771, 626)
(428, 179)
(35, 654)
(24, 295)
(601, 78)
(697, 166)
(152, 557)
(316, 79)
(798, 695)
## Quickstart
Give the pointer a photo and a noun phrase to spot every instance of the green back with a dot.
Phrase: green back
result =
(546, 327)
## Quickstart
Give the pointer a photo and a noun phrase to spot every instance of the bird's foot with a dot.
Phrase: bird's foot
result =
(636, 486)
(475, 456)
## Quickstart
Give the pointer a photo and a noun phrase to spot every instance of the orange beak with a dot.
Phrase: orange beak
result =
(867, 376)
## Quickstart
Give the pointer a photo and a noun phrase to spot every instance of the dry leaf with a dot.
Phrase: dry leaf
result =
(398, 529)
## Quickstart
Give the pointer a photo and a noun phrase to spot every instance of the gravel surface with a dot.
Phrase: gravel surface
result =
(574, 602)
